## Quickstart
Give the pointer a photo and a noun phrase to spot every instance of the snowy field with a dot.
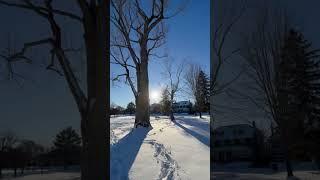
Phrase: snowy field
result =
(169, 150)
(48, 176)
(240, 171)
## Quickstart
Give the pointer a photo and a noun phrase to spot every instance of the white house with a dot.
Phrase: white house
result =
(182, 107)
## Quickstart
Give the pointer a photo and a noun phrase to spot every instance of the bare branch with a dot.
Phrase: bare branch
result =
(42, 9)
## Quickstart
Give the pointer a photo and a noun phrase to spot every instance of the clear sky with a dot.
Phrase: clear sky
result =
(188, 38)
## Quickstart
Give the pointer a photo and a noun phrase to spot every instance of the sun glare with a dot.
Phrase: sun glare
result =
(154, 96)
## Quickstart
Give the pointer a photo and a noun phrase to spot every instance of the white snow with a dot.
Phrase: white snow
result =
(48, 176)
(241, 171)
(169, 150)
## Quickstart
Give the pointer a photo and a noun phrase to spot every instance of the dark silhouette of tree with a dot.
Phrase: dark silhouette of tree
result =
(8, 140)
(226, 20)
(93, 100)
(262, 50)
(131, 108)
(299, 89)
(202, 93)
(198, 85)
(25, 154)
(67, 146)
(165, 101)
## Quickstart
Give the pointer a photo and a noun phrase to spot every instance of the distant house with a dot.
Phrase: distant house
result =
(155, 108)
(182, 107)
(236, 143)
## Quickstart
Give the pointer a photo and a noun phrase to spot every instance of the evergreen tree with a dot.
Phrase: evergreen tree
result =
(131, 108)
(299, 84)
(67, 146)
(202, 94)
(301, 72)
(165, 101)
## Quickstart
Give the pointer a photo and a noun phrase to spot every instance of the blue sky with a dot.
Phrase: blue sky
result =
(188, 38)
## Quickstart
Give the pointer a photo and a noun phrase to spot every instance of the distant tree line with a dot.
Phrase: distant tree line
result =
(189, 81)
(16, 154)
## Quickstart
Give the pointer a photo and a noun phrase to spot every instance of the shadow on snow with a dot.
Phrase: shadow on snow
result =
(124, 152)
(196, 125)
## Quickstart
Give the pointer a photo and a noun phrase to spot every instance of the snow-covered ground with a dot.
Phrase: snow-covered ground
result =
(169, 150)
(241, 171)
(48, 176)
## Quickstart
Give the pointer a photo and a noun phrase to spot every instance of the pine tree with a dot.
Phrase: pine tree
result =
(67, 145)
(298, 81)
(202, 93)
(301, 71)
(165, 101)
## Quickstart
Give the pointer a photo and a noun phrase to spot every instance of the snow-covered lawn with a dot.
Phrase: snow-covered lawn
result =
(242, 172)
(169, 150)
(50, 176)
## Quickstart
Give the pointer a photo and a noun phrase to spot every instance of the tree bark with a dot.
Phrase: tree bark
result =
(286, 141)
(95, 151)
(142, 99)
(171, 106)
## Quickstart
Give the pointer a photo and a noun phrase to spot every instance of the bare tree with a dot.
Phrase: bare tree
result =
(226, 17)
(191, 76)
(92, 104)
(262, 53)
(174, 84)
(138, 33)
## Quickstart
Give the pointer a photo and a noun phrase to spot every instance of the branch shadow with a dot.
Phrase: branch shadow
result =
(124, 152)
(200, 125)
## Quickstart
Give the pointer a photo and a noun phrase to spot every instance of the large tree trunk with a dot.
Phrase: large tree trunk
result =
(171, 107)
(95, 152)
(286, 141)
(142, 96)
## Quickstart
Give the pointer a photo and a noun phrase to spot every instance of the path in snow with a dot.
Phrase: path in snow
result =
(168, 151)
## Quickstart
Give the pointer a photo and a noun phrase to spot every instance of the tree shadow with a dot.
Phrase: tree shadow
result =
(124, 152)
(197, 125)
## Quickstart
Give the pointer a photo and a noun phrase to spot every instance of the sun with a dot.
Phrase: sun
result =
(154, 96)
